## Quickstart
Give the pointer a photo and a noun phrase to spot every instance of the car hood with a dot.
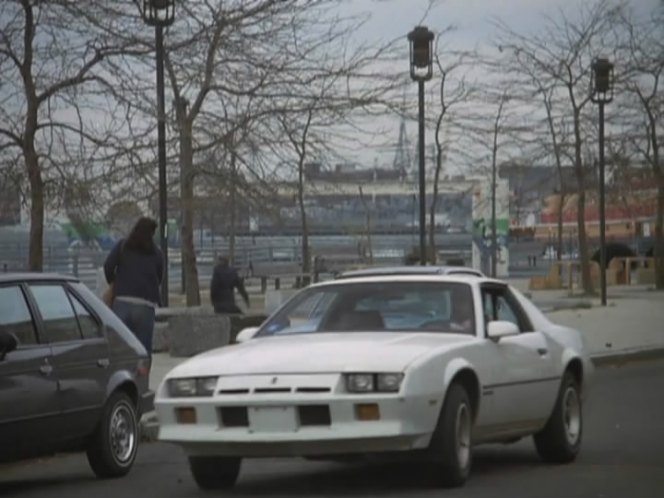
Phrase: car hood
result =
(320, 353)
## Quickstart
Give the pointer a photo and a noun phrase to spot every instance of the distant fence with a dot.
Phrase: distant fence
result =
(257, 262)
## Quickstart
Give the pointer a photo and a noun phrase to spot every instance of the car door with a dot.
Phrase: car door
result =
(524, 378)
(80, 354)
(28, 385)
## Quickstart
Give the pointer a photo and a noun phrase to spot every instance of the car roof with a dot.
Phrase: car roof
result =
(411, 270)
(433, 277)
(34, 276)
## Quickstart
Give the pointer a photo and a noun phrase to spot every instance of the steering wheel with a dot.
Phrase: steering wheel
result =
(437, 324)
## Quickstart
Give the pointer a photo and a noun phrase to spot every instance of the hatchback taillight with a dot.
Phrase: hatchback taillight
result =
(143, 367)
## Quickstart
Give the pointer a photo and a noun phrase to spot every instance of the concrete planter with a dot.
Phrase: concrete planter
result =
(185, 332)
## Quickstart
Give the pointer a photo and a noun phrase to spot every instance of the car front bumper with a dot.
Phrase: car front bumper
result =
(277, 425)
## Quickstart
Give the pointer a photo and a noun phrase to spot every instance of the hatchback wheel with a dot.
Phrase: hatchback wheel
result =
(112, 450)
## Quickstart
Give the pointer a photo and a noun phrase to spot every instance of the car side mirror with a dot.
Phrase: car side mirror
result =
(499, 328)
(8, 343)
(246, 334)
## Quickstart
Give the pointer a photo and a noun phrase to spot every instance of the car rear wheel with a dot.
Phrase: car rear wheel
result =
(112, 450)
(560, 440)
(450, 448)
(215, 472)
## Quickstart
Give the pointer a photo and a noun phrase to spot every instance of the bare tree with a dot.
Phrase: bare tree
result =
(50, 53)
(644, 49)
(561, 56)
(449, 98)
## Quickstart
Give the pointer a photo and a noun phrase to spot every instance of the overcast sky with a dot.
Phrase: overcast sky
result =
(472, 19)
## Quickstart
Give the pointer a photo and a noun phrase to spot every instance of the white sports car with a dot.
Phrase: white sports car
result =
(425, 364)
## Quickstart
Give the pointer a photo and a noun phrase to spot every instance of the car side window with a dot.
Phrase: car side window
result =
(499, 304)
(90, 328)
(58, 316)
(15, 316)
(504, 311)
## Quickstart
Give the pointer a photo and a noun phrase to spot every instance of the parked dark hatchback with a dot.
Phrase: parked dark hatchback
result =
(72, 376)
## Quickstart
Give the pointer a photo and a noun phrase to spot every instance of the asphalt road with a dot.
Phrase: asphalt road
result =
(623, 455)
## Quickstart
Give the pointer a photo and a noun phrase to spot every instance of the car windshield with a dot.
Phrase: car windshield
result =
(377, 306)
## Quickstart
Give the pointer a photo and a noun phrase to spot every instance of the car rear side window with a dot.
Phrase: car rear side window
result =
(58, 316)
(15, 315)
(90, 328)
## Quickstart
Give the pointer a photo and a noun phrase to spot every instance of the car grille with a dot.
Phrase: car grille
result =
(314, 415)
(234, 416)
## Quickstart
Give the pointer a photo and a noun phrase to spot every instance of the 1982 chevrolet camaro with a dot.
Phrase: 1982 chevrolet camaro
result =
(425, 364)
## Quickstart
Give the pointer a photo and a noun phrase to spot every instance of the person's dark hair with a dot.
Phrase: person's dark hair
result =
(140, 238)
(223, 261)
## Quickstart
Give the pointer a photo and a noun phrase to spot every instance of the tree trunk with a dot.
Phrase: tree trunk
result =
(187, 196)
(584, 256)
(659, 217)
(233, 210)
(36, 256)
(368, 224)
(434, 202)
(306, 267)
(561, 205)
(659, 236)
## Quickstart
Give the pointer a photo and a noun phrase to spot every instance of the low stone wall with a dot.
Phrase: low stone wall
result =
(184, 332)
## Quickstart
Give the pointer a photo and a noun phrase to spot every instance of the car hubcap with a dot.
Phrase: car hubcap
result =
(463, 435)
(123, 433)
(572, 415)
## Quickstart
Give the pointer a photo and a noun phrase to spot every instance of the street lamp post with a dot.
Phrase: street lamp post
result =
(421, 55)
(161, 13)
(601, 92)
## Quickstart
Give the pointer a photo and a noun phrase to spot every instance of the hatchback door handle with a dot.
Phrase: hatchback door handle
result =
(542, 351)
(103, 363)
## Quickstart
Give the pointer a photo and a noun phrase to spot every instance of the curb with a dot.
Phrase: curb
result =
(149, 425)
(622, 358)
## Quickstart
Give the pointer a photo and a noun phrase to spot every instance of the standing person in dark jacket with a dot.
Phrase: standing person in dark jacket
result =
(135, 268)
(225, 280)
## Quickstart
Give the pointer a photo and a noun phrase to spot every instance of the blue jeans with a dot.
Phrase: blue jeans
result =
(139, 319)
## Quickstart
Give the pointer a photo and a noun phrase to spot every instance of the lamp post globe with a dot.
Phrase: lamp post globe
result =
(421, 53)
(158, 12)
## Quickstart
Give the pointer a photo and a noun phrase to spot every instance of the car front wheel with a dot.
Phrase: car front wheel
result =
(112, 450)
(560, 440)
(215, 472)
(450, 448)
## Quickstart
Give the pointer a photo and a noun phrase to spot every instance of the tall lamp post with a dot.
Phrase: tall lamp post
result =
(601, 92)
(421, 55)
(161, 13)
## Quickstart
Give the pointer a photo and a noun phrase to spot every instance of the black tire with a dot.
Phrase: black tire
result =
(560, 440)
(450, 449)
(215, 472)
(112, 449)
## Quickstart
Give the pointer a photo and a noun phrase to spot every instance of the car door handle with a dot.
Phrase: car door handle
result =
(46, 369)
(542, 351)
(103, 363)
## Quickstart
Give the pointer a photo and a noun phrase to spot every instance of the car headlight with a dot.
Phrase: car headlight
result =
(360, 383)
(197, 386)
(370, 382)
(389, 382)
